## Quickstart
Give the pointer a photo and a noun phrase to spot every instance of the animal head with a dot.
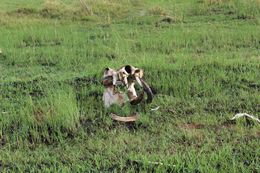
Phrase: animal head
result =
(128, 70)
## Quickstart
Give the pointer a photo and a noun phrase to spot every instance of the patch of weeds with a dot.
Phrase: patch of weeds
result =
(251, 84)
(237, 10)
(109, 9)
(192, 126)
(54, 42)
(99, 36)
(52, 13)
(57, 109)
(158, 11)
(111, 56)
(167, 20)
(79, 82)
(31, 41)
(48, 61)
(34, 41)
(24, 11)
(216, 105)
(52, 9)
(183, 108)
(242, 103)
(245, 17)
(3, 56)
(137, 47)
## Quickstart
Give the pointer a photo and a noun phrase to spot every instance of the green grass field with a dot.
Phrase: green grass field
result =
(201, 58)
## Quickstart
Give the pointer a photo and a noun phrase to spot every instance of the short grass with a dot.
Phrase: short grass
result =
(201, 58)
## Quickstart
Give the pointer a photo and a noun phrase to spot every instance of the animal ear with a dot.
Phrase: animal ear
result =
(107, 68)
